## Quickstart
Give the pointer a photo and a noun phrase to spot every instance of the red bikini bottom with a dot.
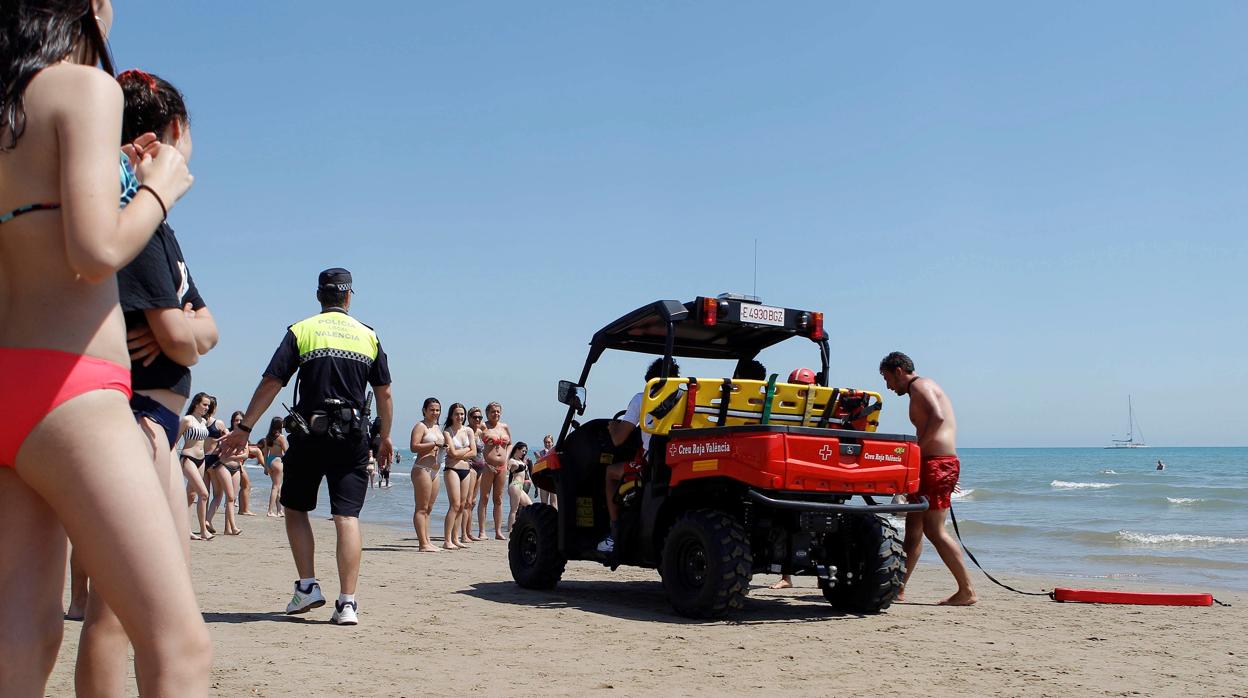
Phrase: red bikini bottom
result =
(33, 382)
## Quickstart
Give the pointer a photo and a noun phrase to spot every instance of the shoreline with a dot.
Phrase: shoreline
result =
(443, 623)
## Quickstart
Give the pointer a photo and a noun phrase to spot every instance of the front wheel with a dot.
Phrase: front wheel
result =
(533, 551)
(873, 569)
(706, 565)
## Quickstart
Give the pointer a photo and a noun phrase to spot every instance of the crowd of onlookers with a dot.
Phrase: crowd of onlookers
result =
(472, 455)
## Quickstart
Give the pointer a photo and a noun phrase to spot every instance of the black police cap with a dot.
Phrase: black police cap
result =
(337, 279)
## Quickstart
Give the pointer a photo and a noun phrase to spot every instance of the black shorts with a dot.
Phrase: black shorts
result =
(342, 462)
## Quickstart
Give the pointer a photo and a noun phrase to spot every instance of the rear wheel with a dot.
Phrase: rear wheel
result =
(875, 566)
(706, 565)
(533, 550)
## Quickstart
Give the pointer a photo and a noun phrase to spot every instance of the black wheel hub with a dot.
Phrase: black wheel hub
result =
(528, 546)
(691, 564)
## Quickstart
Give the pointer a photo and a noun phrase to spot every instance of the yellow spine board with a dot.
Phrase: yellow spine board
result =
(664, 404)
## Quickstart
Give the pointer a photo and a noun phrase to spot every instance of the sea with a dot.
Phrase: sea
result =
(1059, 513)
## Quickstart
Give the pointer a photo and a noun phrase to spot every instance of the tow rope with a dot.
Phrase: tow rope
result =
(991, 578)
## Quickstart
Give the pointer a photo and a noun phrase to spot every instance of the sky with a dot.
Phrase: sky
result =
(1043, 205)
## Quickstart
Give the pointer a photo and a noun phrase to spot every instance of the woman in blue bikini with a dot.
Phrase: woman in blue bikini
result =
(274, 446)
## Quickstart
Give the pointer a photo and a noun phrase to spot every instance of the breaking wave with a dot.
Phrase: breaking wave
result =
(1064, 485)
(1176, 539)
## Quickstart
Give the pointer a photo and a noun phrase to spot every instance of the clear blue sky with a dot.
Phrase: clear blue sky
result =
(1044, 206)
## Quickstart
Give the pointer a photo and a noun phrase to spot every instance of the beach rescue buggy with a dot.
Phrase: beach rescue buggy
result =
(742, 476)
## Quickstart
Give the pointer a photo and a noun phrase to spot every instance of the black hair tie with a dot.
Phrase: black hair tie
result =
(164, 211)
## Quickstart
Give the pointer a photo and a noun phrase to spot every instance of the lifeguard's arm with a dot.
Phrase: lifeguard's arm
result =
(620, 431)
(623, 427)
(99, 238)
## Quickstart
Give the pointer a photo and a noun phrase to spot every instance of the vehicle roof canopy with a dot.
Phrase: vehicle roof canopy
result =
(644, 330)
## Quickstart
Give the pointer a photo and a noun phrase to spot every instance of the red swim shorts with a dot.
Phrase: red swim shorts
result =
(938, 478)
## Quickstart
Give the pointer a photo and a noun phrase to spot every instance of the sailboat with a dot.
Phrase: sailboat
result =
(1132, 427)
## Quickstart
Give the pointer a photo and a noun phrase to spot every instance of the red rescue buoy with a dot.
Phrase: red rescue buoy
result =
(1131, 597)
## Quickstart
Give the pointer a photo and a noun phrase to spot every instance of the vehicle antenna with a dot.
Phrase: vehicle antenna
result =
(755, 268)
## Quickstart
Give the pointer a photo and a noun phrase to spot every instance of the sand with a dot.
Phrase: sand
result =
(453, 622)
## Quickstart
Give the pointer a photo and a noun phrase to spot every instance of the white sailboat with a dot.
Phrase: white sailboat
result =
(1132, 428)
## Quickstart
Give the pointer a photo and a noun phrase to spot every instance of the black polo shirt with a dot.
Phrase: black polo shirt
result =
(336, 356)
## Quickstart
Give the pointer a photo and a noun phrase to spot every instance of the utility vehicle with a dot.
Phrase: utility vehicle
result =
(741, 476)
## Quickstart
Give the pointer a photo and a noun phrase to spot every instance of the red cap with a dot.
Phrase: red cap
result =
(804, 376)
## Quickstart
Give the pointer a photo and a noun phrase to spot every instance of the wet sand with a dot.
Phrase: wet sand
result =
(447, 623)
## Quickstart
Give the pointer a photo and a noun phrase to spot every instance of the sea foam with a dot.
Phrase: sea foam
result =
(1184, 500)
(1176, 539)
(1063, 485)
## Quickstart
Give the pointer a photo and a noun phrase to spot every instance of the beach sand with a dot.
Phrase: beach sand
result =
(452, 622)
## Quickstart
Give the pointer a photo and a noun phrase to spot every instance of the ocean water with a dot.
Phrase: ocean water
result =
(1055, 512)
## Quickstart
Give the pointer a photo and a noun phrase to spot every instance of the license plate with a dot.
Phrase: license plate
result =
(762, 315)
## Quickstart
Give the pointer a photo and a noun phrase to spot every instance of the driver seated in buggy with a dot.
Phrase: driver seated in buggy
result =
(620, 430)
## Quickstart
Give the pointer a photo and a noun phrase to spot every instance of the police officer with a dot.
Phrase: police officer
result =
(337, 358)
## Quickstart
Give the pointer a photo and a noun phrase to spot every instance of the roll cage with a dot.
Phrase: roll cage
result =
(704, 328)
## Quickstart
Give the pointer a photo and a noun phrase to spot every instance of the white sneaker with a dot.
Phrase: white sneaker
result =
(305, 600)
(607, 546)
(344, 613)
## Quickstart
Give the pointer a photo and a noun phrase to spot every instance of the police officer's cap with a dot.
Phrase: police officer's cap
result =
(336, 279)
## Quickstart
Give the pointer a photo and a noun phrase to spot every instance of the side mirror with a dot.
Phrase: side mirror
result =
(572, 395)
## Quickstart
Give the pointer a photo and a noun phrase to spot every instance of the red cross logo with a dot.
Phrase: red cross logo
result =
(825, 452)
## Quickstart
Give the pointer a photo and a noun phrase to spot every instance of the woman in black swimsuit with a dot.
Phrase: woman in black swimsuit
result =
(194, 430)
(224, 478)
(460, 448)
(242, 480)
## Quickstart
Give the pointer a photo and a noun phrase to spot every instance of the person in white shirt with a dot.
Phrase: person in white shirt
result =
(620, 430)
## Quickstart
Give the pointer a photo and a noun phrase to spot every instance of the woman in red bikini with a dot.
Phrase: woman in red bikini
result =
(66, 378)
(497, 439)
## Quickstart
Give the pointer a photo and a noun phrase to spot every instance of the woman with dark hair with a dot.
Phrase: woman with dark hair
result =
(66, 382)
(274, 446)
(460, 447)
(496, 436)
(224, 473)
(242, 480)
(195, 431)
(518, 474)
(427, 440)
(216, 430)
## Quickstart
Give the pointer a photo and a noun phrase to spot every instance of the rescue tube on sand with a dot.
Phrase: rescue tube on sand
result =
(1131, 597)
